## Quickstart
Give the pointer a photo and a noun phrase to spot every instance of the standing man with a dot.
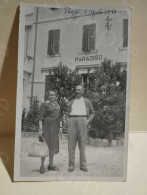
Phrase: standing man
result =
(81, 113)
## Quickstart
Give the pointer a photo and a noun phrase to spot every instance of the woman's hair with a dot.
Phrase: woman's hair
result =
(48, 92)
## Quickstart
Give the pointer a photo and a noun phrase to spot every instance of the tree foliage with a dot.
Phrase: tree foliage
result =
(30, 117)
(106, 90)
(63, 78)
(108, 94)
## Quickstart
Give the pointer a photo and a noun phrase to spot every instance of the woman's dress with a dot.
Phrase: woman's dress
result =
(49, 114)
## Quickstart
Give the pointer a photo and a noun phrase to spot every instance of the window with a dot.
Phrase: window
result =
(28, 40)
(88, 43)
(53, 42)
(85, 80)
(125, 32)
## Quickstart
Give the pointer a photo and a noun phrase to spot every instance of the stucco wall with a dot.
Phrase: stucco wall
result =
(108, 43)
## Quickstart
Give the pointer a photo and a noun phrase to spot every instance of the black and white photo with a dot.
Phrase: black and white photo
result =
(72, 93)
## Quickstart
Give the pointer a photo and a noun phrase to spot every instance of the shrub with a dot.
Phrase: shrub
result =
(108, 95)
(30, 117)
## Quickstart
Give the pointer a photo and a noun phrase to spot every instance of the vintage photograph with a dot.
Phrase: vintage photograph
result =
(72, 93)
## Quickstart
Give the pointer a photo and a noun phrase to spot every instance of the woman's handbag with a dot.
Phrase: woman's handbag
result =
(38, 149)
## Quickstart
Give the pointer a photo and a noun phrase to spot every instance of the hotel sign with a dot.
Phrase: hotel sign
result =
(88, 58)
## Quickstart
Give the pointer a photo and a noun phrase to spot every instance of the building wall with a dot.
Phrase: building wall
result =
(108, 43)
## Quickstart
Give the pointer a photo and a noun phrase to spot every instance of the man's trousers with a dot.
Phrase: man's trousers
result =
(77, 132)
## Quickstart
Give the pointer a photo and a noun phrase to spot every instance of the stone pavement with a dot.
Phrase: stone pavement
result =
(101, 161)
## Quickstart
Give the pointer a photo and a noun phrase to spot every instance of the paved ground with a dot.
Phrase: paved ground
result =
(102, 161)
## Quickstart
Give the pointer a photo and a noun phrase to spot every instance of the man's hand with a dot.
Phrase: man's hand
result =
(60, 132)
(40, 132)
(88, 123)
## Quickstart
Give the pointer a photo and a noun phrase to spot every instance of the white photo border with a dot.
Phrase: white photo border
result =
(16, 176)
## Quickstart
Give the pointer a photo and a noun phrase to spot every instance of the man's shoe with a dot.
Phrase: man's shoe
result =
(54, 168)
(70, 169)
(84, 169)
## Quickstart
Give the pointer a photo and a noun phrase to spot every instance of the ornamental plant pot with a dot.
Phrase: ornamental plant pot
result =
(105, 143)
(96, 142)
(120, 142)
(90, 140)
(87, 140)
(99, 142)
(113, 143)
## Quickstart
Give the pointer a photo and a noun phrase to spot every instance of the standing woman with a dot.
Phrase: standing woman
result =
(49, 124)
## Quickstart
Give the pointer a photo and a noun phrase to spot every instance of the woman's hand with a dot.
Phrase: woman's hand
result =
(40, 128)
(67, 121)
(40, 132)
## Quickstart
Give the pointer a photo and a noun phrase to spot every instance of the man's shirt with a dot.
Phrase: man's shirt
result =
(78, 107)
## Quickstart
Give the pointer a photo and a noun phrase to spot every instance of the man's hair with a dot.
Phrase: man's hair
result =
(80, 86)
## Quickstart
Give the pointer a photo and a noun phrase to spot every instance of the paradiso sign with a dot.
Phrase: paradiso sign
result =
(88, 58)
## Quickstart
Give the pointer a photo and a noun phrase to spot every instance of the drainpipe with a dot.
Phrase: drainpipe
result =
(34, 61)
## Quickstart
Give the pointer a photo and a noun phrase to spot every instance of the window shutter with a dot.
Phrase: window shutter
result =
(91, 37)
(125, 32)
(30, 38)
(26, 40)
(29, 43)
(50, 42)
(56, 40)
(85, 38)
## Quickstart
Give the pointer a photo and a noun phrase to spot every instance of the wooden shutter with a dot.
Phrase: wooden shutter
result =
(28, 45)
(125, 32)
(91, 37)
(56, 41)
(50, 42)
(26, 40)
(85, 38)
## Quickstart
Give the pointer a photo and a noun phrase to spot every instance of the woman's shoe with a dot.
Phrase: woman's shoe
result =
(70, 169)
(42, 170)
(84, 169)
(54, 168)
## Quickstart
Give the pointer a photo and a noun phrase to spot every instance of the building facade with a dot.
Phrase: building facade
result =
(81, 41)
